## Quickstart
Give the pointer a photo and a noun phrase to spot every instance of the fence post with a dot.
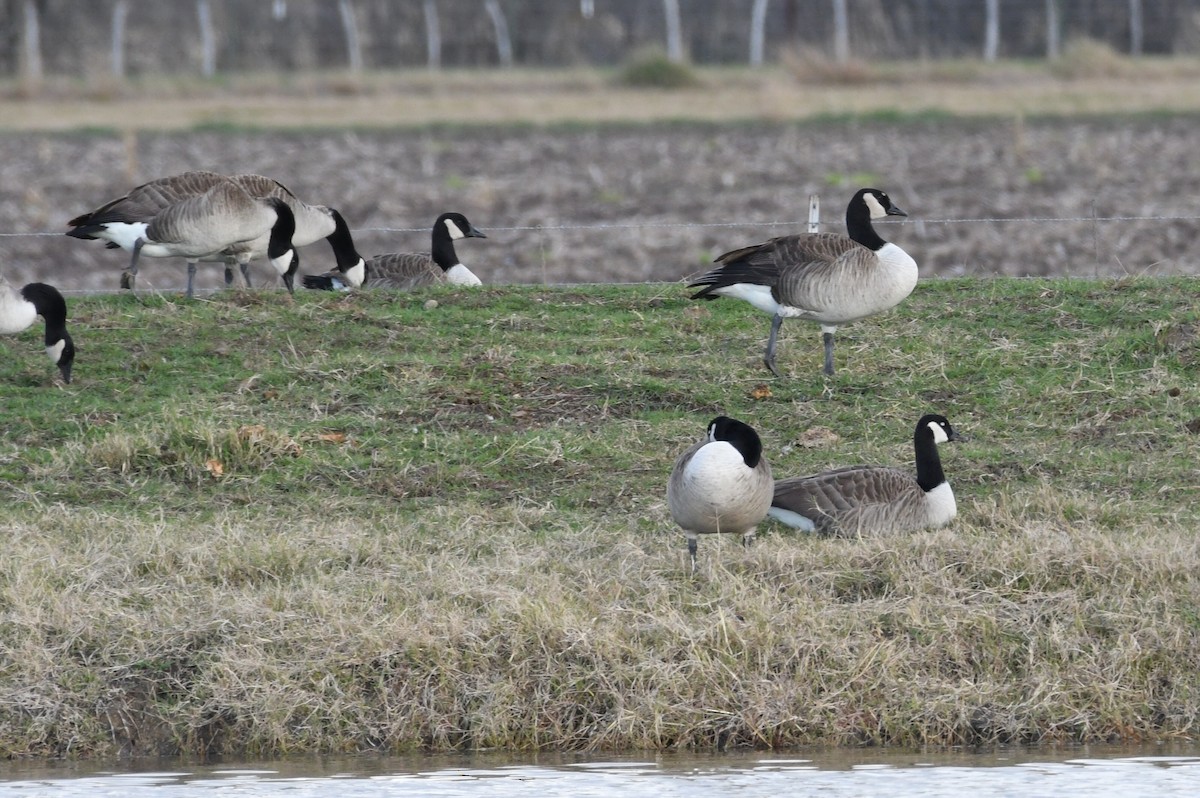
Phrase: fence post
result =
(841, 32)
(208, 39)
(814, 213)
(758, 26)
(674, 31)
(119, 15)
(991, 41)
(1053, 32)
(31, 41)
(433, 35)
(353, 42)
(503, 41)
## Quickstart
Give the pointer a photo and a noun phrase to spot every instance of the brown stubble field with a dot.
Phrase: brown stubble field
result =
(577, 180)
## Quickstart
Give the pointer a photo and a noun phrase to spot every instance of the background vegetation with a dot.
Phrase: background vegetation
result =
(376, 521)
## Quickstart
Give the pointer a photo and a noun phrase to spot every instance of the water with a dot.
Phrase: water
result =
(1161, 771)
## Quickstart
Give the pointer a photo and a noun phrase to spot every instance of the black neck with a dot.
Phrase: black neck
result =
(282, 231)
(859, 227)
(343, 244)
(929, 464)
(51, 306)
(443, 247)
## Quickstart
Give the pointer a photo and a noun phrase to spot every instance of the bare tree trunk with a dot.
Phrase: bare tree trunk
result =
(1053, 31)
(503, 40)
(991, 39)
(31, 41)
(119, 15)
(433, 34)
(841, 32)
(587, 8)
(353, 41)
(208, 39)
(1135, 27)
(674, 31)
(758, 32)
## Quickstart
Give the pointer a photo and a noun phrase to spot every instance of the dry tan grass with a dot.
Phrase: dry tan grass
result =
(805, 86)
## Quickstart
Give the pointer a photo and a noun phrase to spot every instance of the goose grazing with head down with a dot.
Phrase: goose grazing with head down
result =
(722, 483)
(873, 501)
(208, 224)
(123, 220)
(828, 278)
(19, 309)
(406, 271)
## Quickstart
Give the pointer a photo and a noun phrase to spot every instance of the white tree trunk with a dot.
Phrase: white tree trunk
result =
(587, 8)
(1135, 27)
(991, 39)
(119, 15)
(758, 32)
(674, 31)
(1053, 31)
(31, 43)
(504, 49)
(208, 39)
(841, 32)
(433, 35)
(353, 41)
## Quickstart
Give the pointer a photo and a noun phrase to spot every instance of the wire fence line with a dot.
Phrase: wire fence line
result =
(701, 225)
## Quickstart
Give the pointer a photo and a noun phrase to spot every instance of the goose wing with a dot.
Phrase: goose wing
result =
(786, 263)
(403, 271)
(837, 498)
(221, 217)
(146, 201)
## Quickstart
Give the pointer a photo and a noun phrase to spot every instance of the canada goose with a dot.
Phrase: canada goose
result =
(122, 221)
(19, 309)
(824, 277)
(222, 217)
(873, 500)
(722, 483)
(405, 271)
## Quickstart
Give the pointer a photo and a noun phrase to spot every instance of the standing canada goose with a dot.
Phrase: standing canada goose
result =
(824, 277)
(722, 483)
(405, 271)
(122, 221)
(19, 309)
(873, 501)
(223, 217)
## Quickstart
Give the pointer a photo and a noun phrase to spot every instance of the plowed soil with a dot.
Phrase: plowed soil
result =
(651, 202)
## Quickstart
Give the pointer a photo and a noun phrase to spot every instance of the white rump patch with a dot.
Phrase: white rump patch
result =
(792, 519)
(455, 233)
(461, 275)
(939, 433)
(124, 234)
(757, 295)
(941, 505)
(55, 350)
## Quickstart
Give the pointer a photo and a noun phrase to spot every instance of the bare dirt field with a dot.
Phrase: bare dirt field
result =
(580, 198)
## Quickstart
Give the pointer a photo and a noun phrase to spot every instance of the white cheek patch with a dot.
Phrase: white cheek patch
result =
(55, 351)
(455, 232)
(356, 274)
(939, 432)
(876, 208)
(283, 262)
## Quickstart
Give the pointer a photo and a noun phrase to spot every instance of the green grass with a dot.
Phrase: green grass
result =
(260, 526)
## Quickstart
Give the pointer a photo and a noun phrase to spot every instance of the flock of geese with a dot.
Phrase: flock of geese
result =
(721, 484)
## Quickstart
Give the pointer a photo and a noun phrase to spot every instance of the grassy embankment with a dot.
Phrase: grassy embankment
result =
(260, 526)
(1089, 78)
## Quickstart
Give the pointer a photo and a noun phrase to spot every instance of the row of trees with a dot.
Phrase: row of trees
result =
(39, 37)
